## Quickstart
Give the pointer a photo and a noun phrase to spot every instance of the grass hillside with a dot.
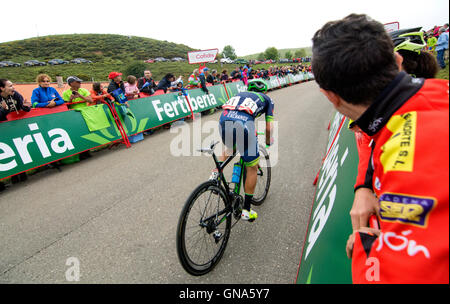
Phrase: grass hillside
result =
(95, 47)
(107, 52)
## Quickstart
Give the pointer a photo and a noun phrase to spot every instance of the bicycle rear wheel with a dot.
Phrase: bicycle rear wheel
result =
(264, 177)
(203, 229)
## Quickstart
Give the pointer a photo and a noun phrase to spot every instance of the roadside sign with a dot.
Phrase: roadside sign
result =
(203, 56)
(392, 26)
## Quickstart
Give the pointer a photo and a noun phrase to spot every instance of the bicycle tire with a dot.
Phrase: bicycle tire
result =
(266, 171)
(185, 255)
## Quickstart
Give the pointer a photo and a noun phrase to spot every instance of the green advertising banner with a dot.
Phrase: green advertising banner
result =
(324, 259)
(235, 87)
(151, 112)
(31, 142)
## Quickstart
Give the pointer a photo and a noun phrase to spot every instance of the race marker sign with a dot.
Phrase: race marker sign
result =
(202, 56)
(392, 27)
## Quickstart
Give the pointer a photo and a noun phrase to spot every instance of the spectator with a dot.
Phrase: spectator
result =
(131, 88)
(177, 86)
(146, 84)
(236, 74)
(76, 93)
(356, 68)
(166, 83)
(45, 96)
(99, 95)
(202, 78)
(441, 47)
(115, 82)
(193, 80)
(224, 76)
(436, 31)
(10, 100)
(421, 65)
(431, 44)
(212, 78)
(176, 83)
(116, 88)
(244, 73)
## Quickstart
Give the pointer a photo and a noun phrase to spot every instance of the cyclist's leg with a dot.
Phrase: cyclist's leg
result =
(251, 160)
(228, 136)
(227, 129)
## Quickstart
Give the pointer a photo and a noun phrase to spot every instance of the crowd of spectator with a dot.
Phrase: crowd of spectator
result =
(437, 43)
(75, 97)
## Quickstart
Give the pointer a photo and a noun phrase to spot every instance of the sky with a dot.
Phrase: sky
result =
(248, 26)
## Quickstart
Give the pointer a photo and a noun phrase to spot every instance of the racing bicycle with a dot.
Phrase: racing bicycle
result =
(206, 220)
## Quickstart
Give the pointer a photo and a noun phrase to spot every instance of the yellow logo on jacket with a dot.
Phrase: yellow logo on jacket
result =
(398, 152)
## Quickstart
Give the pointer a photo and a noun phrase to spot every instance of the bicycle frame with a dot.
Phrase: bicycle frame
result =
(220, 168)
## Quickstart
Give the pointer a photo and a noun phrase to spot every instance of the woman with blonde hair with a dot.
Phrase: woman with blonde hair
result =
(45, 96)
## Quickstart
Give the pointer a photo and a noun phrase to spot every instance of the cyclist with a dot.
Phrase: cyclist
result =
(237, 128)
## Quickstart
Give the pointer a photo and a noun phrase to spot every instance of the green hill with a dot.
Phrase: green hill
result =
(282, 52)
(107, 52)
(95, 47)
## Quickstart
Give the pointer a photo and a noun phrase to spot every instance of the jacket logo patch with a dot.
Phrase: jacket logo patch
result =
(406, 209)
(398, 151)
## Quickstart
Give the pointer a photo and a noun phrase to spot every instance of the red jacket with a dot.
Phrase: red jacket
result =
(409, 172)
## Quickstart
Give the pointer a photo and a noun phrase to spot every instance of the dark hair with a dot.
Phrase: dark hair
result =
(3, 82)
(96, 86)
(423, 65)
(169, 75)
(354, 58)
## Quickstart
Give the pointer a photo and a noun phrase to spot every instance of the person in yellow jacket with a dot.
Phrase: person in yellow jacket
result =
(431, 44)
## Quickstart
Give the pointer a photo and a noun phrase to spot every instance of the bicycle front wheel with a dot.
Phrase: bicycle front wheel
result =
(203, 229)
(264, 177)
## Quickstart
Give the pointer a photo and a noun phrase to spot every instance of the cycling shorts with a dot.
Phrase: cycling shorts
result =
(240, 135)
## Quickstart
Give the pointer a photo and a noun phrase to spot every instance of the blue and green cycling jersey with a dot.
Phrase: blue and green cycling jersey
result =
(251, 104)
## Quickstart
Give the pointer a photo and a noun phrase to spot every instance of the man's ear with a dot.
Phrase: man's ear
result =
(399, 61)
(333, 97)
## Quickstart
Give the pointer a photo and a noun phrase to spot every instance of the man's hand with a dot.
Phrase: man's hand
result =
(365, 204)
(351, 238)
(4, 105)
(27, 103)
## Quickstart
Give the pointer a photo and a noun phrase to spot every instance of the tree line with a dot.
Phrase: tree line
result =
(270, 53)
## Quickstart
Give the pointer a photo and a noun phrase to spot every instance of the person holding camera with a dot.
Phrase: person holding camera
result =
(76, 93)
(146, 84)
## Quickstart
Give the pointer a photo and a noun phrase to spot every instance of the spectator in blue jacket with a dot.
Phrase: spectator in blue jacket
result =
(441, 46)
(45, 96)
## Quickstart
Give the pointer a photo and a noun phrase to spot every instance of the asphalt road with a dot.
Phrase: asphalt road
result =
(117, 212)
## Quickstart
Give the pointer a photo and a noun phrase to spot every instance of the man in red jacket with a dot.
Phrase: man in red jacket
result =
(357, 70)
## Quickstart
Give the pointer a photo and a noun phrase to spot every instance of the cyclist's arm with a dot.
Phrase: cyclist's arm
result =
(269, 120)
(269, 126)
